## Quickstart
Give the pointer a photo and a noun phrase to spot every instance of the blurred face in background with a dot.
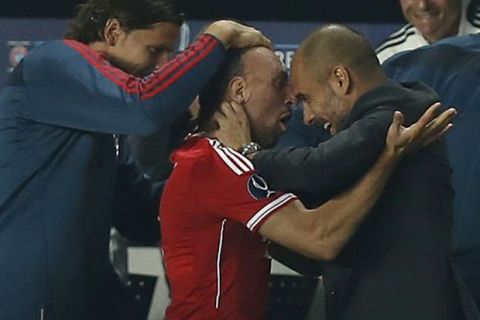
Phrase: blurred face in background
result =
(435, 19)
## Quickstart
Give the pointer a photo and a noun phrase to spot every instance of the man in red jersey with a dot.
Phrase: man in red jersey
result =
(217, 213)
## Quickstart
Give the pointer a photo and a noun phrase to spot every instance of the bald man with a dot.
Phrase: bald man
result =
(396, 267)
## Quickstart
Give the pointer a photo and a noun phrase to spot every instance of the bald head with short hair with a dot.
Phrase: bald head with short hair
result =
(331, 70)
(333, 45)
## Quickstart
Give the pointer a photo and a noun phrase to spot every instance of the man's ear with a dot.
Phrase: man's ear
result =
(340, 80)
(238, 90)
(112, 31)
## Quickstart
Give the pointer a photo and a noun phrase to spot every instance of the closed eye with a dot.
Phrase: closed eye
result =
(159, 50)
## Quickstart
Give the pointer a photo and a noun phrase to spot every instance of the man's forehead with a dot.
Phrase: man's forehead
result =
(261, 55)
(297, 68)
(264, 60)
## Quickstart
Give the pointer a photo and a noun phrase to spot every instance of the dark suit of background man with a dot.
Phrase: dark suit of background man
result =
(452, 68)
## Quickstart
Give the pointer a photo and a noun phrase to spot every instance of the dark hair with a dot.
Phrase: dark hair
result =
(91, 17)
(214, 91)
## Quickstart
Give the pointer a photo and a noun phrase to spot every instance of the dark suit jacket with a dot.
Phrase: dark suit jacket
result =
(452, 68)
(396, 266)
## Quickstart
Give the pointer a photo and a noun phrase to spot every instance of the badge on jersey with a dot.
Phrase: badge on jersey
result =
(258, 187)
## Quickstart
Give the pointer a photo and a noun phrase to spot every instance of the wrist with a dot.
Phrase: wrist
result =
(388, 159)
(222, 31)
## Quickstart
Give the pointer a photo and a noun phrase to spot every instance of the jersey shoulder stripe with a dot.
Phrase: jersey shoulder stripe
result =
(241, 159)
(238, 163)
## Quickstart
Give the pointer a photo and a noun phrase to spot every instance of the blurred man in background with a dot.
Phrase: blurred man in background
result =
(430, 21)
(452, 68)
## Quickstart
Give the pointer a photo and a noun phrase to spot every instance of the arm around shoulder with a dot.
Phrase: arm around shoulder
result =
(322, 233)
(331, 166)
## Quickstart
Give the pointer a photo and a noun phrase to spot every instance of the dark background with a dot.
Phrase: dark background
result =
(280, 10)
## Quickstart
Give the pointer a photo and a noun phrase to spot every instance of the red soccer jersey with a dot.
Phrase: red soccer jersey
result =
(212, 207)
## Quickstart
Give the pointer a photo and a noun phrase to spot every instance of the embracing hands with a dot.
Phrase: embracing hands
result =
(236, 35)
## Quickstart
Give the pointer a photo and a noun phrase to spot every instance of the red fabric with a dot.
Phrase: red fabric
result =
(215, 260)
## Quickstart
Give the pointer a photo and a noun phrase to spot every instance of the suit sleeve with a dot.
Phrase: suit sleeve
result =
(70, 85)
(331, 166)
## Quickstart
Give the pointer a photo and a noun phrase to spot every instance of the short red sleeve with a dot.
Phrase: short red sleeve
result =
(232, 189)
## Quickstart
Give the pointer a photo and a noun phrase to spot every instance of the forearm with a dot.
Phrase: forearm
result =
(169, 91)
(70, 87)
(330, 167)
(322, 233)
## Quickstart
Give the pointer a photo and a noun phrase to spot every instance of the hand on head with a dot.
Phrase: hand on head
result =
(236, 35)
